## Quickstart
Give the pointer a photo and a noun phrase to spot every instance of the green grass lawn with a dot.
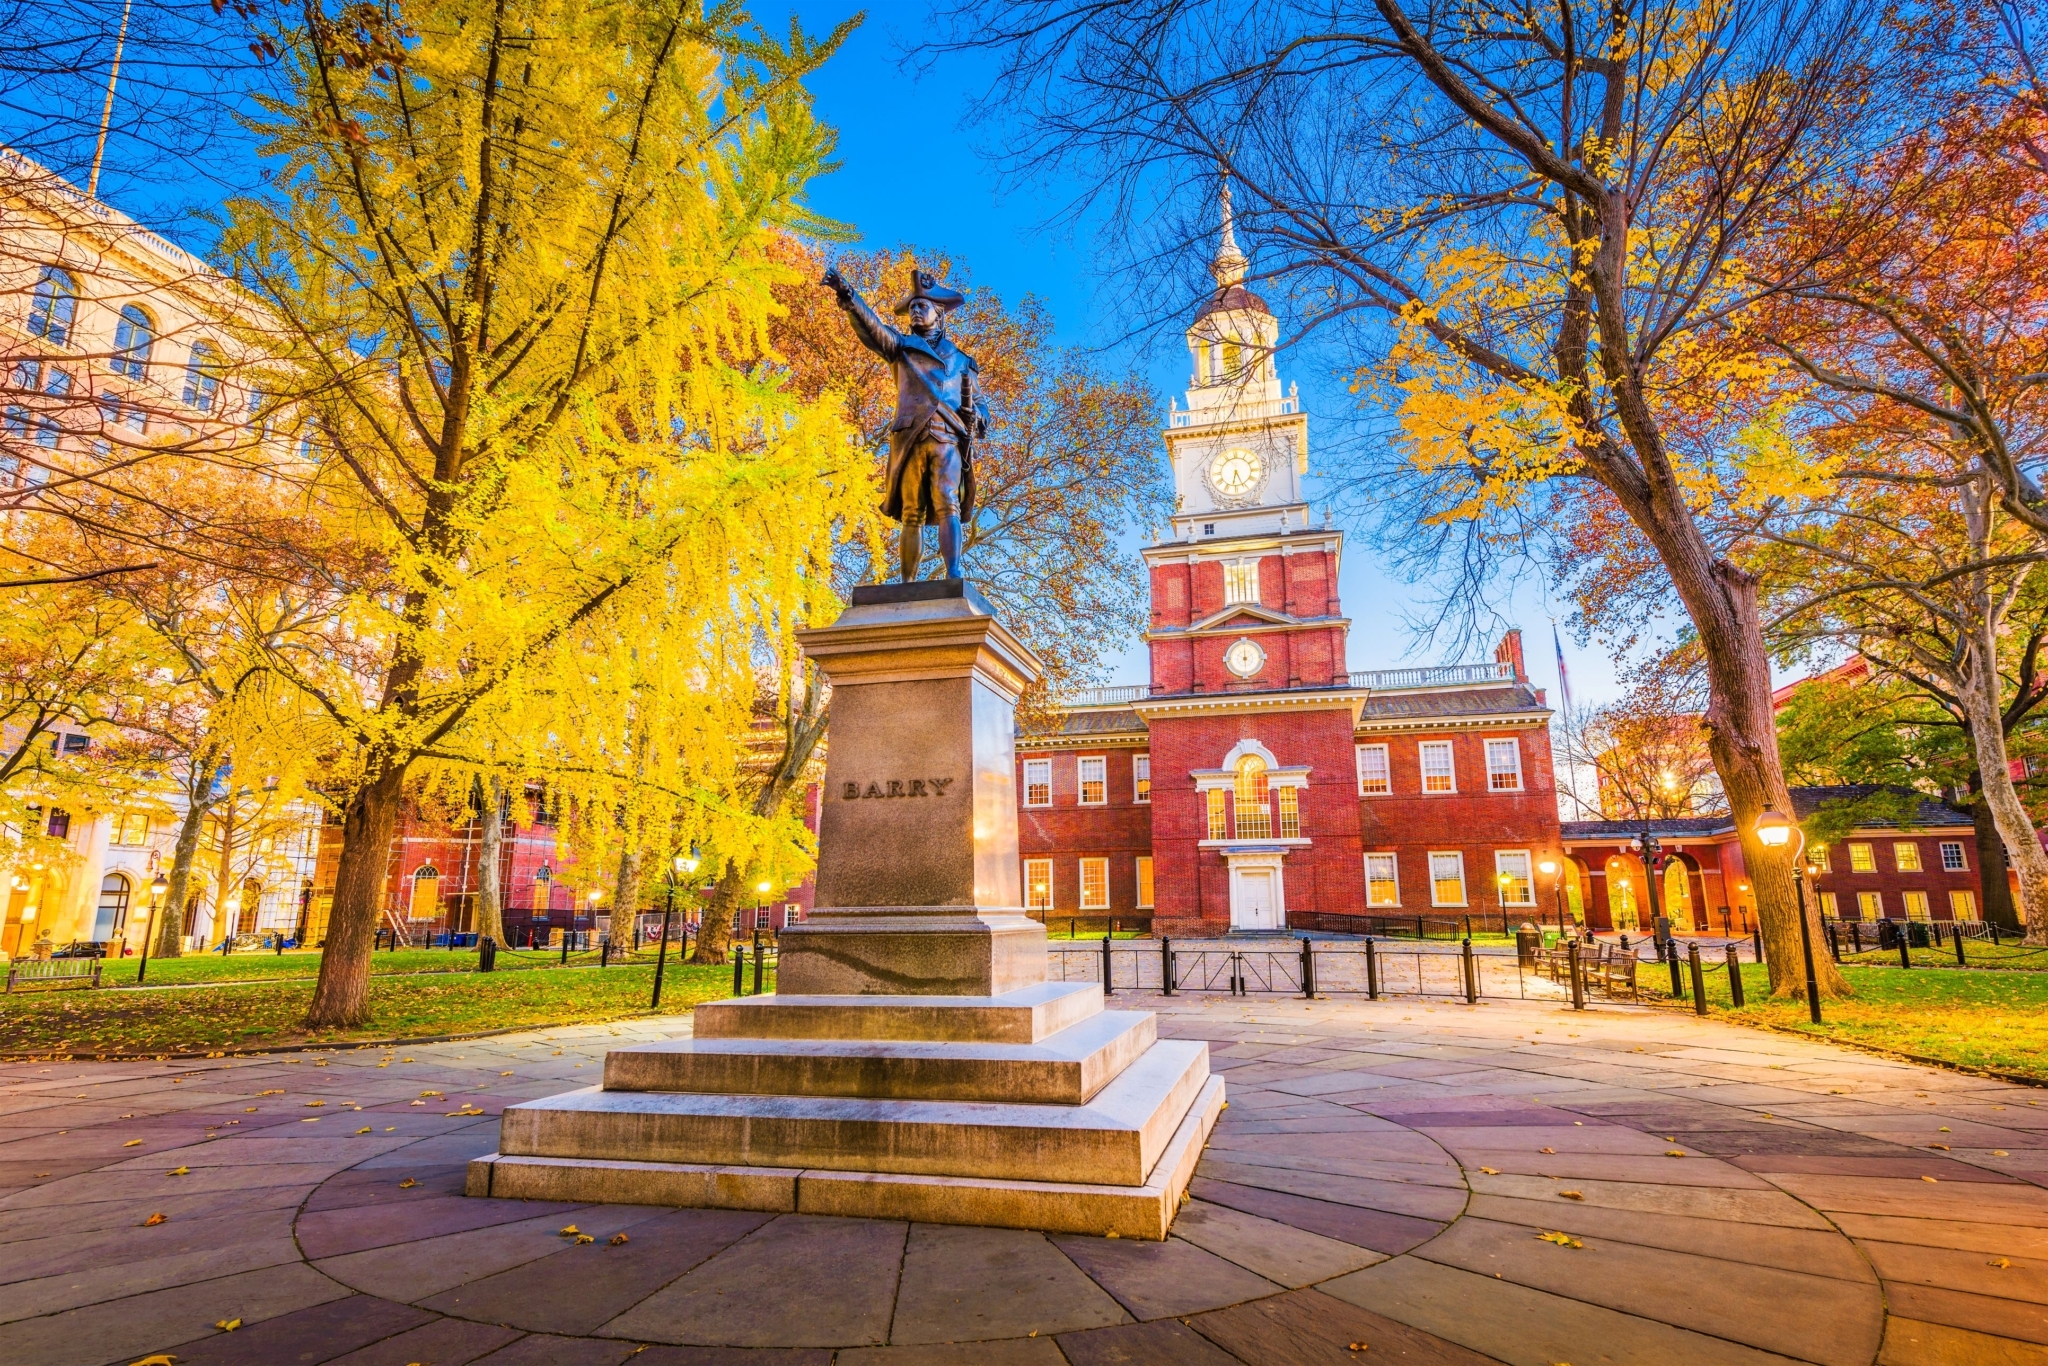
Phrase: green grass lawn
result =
(267, 964)
(205, 1019)
(1992, 1020)
(1976, 953)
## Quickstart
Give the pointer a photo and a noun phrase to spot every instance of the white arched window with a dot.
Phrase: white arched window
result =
(202, 376)
(112, 917)
(55, 304)
(134, 337)
(1251, 798)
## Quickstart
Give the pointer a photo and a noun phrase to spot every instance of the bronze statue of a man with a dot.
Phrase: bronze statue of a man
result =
(931, 442)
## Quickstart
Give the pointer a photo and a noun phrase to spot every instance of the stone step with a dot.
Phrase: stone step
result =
(1114, 1139)
(1144, 1211)
(1027, 1015)
(1067, 1068)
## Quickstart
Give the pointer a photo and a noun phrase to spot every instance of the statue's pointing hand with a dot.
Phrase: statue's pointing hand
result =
(833, 282)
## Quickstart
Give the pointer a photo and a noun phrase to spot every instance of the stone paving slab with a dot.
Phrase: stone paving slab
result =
(1380, 1176)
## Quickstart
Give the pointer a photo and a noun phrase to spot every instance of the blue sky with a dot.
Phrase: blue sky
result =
(950, 198)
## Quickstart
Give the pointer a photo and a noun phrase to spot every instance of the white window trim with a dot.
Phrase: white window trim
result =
(1394, 860)
(1387, 762)
(1046, 864)
(1144, 903)
(1464, 883)
(1422, 747)
(1101, 762)
(1920, 864)
(1869, 847)
(1045, 766)
(1515, 748)
(1962, 864)
(1528, 858)
(1086, 904)
(1239, 567)
(1141, 766)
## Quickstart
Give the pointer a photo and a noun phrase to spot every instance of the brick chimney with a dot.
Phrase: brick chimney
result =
(1509, 651)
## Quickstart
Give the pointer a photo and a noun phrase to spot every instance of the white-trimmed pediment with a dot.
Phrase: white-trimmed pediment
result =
(1240, 615)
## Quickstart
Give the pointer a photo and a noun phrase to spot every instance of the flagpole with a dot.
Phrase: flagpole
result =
(92, 186)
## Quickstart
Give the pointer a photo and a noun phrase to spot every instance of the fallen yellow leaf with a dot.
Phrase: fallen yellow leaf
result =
(430, 1093)
(248, 1109)
(278, 1092)
(584, 1238)
(1561, 1239)
(1930, 1180)
(315, 1104)
(160, 1359)
(2000, 1152)
(153, 1220)
(407, 1184)
(2000, 1262)
(1546, 1150)
(133, 1143)
(227, 1325)
(1490, 1171)
(1674, 1152)
(570, 1231)
(179, 1171)
(365, 1129)
(1360, 1347)
(1570, 1195)
(618, 1239)
(1939, 1147)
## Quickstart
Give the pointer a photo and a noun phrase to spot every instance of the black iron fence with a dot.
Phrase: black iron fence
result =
(1304, 968)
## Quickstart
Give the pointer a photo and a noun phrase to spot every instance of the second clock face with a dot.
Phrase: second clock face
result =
(1244, 658)
(1235, 473)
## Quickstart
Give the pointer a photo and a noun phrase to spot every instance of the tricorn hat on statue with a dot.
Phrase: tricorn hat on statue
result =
(925, 285)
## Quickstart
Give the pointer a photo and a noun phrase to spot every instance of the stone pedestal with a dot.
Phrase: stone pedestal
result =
(915, 1063)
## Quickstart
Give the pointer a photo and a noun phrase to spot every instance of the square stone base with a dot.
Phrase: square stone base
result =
(911, 951)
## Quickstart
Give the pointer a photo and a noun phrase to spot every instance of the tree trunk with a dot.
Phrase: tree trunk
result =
(223, 918)
(714, 935)
(170, 921)
(1981, 696)
(490, 897)
(626, 899)
(341, 999)
(1992, 864)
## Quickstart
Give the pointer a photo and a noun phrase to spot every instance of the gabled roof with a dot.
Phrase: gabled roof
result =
(1403, 706)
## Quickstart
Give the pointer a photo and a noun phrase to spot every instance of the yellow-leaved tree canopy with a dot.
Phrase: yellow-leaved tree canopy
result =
(509, 268)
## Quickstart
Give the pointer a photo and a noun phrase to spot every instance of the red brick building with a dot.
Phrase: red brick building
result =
(1256, 783)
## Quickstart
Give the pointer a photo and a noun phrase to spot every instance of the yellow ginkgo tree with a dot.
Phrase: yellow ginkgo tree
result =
(506, 264)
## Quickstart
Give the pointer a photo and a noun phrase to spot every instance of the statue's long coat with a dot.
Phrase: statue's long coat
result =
(951, 371)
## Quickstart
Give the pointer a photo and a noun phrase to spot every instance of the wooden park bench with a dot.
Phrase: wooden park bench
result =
(1618, 973)
(56, 972)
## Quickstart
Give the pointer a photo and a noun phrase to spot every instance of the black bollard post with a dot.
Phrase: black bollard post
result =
(1308, 969)
(1578, 976)
(1372, 971)
(1961, 961)
(1757, 942)
(1734, 976)
(760, 963)
(1165, 966)
(1699, 979)
(1856, 936)
(1996, 941)
(1904, 941)
(1108, 987)
(1671, 957)
(661, 956)
(739, 969)
(1624, 943)
(1471, 976)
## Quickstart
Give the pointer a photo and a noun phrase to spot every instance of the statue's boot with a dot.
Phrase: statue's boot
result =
(949, 543)
(910, 547)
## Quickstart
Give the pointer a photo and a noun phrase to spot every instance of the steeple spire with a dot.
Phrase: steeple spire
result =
(1229, 264)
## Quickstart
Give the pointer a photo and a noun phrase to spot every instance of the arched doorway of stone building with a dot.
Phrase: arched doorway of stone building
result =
(111, 921)
(1624, 905)
(251, 907)
(426, 894)
(1575, 878)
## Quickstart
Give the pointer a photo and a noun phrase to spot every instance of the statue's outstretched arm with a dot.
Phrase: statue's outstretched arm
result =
(874, 334)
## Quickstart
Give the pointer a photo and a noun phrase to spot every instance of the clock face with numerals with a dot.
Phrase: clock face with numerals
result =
(1235, 475)
(1244, 658)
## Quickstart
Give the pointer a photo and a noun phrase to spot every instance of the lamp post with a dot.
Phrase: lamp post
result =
(230, 911)
(595, 897)
(1652, 851)
(156, 898)
(679, 865)
(1775, 832)
(1553, 870)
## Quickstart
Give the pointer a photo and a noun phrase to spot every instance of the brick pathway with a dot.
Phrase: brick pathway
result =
(1382, 1176)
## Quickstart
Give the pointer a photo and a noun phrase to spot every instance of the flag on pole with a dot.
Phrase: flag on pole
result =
(1564, 682)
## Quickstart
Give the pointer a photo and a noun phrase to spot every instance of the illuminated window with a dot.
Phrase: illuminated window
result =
(1094, 884)
(1290, 813)
(1382, 880)
(1906, 854)
(1828, 908)
(1963, 905)
(1952, 857)
(1916, 905)
(1373, 776)
(128, 827)
(1038, 782)
(1870, 905)
(1438, 773)
(1095, 781)
(1145, 884)
(1818, 857)
(1511, 871)
(1254, 815)
(1241, 582)
(1503, 766)
(1447, 879)
(1141, 777)
(1862, 859)
(1038, 884)
(1217, 829)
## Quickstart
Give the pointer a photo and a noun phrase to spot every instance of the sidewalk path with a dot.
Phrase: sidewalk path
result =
(1383, 1176)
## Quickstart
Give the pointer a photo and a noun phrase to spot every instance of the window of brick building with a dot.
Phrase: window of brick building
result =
(1503, 766)
(1828, 908)
(1438, 772)
(1289, 800)
(1252, 800)
(1038, 782)
(1511, 872)
(1373, 776)
(1963, 905)
(1094, 781)
(1862, 859)
(1038, 884)
(1144, 884)
(1818, 857)
(1141, 777)
(1382, 880)
(1240, 582)
(1916, 905)
(1952, 857)
(1217, 829)
(1906, 854)
(1094, 884)
(1447, 879)
(1870, 905)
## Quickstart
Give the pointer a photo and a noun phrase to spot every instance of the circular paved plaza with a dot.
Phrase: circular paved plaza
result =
(1437, 1182)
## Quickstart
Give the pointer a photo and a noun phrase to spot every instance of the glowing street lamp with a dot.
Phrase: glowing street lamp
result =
(156, 896)
(1775, 831)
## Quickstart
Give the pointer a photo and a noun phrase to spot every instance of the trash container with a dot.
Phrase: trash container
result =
(1528, 943)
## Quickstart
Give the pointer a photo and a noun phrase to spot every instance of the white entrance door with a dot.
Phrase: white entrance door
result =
(1255, 899)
